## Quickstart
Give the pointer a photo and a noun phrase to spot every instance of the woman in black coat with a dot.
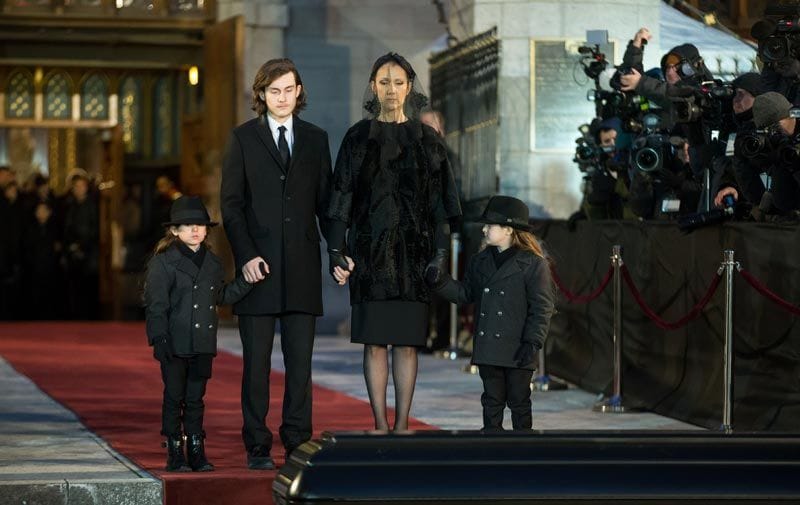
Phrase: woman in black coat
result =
(184, 285)
(394, 189)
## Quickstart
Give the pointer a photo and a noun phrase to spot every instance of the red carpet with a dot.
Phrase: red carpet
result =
(105, 373)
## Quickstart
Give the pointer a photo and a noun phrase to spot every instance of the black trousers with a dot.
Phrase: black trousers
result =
(506, 386)
(185, 382)
(297, 342)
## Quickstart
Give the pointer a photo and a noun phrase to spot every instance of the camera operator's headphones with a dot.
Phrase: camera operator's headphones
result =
(685, 68)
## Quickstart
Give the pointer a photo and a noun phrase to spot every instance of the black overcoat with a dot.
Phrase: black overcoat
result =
(181, 299)
(392, 201)
(271, 213)
(513, 304)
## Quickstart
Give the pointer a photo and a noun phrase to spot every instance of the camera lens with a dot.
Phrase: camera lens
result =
(752, 145)
(775, 48)
(647, 159)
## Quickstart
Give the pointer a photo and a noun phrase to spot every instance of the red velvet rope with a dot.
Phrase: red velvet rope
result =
(655, 317)
(765, 291)
(572, 297)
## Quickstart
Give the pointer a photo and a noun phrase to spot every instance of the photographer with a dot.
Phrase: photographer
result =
(779, 48)
(663, 185)
(778, 132)
(739, 176)
(608, 186)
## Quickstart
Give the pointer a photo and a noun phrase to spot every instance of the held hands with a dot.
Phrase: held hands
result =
(436, 270)
(340, 266)
(162, 351)
(255, 270)
(524, 354)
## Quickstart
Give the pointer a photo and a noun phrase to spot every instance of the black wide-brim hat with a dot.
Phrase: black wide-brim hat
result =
(189, 210)
(506, 211)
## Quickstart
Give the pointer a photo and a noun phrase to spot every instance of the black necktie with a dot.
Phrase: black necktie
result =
(283, 147)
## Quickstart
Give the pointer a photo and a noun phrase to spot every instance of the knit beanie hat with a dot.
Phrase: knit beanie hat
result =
(750, 82)
(770, 108)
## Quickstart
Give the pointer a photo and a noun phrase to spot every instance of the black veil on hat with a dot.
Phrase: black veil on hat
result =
(415, 100)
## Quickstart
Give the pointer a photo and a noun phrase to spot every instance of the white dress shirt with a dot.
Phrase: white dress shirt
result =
(289, 134)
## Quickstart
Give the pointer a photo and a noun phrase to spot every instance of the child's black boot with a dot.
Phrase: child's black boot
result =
(197, 453)
(176, 459)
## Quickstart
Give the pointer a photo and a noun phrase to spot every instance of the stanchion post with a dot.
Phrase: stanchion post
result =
(542, 381)
(728, 264)
(614, 405)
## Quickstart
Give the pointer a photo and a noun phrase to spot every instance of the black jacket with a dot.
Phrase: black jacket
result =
(392, 186)
(513, 305)
(180, 300)
(273, 214)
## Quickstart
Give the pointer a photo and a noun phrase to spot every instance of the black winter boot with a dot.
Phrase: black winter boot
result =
(176, 459)
(197, 453)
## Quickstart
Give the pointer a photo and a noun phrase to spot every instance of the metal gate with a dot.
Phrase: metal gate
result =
(464, 89)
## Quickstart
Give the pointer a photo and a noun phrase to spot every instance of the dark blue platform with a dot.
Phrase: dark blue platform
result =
(543, 468)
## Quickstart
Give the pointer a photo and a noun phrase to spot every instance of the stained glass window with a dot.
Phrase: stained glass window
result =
(58, 97)
(94, 98)
(130, 103)
(164, 113)
(19, 96)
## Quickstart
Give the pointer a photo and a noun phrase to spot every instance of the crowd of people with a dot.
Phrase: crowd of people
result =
(49, 248)
(676, 143)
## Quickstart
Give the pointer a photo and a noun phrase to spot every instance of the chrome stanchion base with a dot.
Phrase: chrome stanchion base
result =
(470, 368)
(612, 405)
(726, 428)
(547, 383)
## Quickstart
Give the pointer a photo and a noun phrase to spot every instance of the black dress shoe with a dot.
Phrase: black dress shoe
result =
(258, 458)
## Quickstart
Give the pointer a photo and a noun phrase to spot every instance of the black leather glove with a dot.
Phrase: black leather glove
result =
(524, 354)
(162, 351)
(436, 270)
(337, 259)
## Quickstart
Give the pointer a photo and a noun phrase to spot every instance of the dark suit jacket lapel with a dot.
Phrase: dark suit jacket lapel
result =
(265, 135)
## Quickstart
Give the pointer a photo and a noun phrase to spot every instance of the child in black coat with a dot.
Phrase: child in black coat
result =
(509, 282)
(185, 283)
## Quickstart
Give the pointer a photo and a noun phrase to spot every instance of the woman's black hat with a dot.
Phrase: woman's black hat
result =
(189, 210)
(506, 211)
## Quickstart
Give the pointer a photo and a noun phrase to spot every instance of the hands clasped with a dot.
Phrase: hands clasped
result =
(341, 266)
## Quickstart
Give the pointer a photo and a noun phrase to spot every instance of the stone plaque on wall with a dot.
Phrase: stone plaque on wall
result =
(558, 94)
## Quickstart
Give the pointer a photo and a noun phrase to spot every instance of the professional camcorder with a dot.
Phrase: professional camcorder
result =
(711, 102)
(588, 155)
(770, 147)
(778, 34)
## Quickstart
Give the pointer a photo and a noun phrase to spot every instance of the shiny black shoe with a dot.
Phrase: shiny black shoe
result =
(196, 452)
(258, 458)
(176, 459)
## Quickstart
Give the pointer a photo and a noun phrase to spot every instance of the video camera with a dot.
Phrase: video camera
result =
(778, 34)
(771, 145)
(711, 102)
(588, 154)
(653, 150)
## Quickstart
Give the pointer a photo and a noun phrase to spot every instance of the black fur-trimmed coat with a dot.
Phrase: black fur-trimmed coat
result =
(392, 185)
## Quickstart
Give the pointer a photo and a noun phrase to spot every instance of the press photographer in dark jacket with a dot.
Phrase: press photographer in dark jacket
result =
(780, 200)
(739, 176)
